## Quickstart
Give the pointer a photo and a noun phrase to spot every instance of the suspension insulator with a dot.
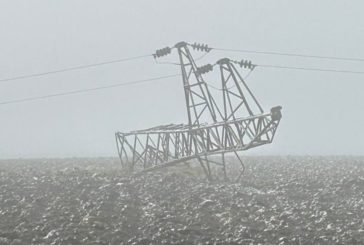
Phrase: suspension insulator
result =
(201, 47)
(162, 52)
(247, 64)
(204, 69)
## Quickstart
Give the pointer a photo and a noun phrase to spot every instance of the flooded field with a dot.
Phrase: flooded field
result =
(279, 200)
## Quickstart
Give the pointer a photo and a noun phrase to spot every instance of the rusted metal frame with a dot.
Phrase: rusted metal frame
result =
(247, 88)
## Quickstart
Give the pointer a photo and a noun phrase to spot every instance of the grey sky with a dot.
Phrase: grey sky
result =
(323, 113)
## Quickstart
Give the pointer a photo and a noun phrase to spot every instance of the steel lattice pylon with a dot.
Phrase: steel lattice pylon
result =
(239, 124)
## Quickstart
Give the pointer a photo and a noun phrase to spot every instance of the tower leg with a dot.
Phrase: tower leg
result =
(207, 169)
(224, 167)
(242, 166)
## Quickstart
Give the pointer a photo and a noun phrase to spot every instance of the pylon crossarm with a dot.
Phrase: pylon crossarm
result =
(165, 145)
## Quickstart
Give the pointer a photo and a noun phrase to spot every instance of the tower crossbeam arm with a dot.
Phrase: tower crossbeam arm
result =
(195, 87)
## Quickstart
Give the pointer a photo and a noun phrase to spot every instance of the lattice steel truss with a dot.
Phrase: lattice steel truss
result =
(240, 123)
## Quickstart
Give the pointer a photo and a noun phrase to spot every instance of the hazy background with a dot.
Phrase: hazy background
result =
(323, 113)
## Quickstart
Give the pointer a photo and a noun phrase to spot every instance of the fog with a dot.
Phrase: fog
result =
(322, 111)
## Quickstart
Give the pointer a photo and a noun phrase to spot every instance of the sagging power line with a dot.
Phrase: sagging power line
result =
(165, 51)
(291, 54)
(311, 69)
(86, 90)
(81, 67)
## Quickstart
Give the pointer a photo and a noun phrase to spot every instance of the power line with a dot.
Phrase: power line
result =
(73, 68)
(291, 54)
(86, 90)
(311, 69)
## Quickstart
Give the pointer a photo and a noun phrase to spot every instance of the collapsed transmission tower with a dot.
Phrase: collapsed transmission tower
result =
(235, 124)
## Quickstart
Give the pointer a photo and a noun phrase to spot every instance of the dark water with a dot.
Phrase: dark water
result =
(279, 200)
